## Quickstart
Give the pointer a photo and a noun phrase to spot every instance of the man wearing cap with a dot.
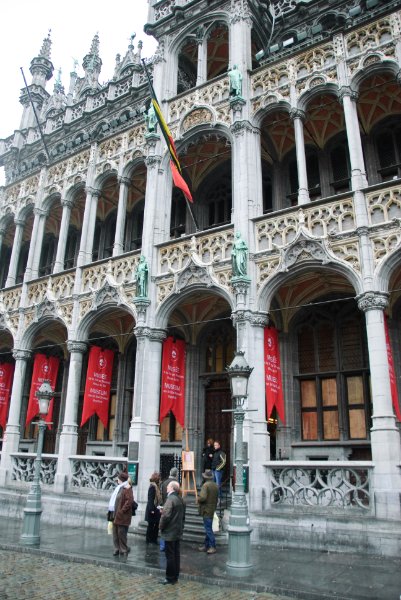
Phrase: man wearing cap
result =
(120, 507)
(207, 501)
(171, 529)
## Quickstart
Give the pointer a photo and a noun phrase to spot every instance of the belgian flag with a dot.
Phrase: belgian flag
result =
(175, 166)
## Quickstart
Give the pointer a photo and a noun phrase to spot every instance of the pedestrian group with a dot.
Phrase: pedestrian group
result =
(165, 510)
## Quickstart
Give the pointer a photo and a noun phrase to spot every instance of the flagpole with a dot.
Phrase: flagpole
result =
(35, 113)
(173, 157)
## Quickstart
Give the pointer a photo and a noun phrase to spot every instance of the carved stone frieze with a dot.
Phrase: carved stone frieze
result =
(193, 275)
(198, 116)
(304, 249)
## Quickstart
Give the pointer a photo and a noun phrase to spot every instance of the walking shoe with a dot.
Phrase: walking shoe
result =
(202, 549)
(211, 551)
(116, 553)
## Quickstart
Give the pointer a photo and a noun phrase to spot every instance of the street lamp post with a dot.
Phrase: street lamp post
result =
(239, 531)
(31, 525)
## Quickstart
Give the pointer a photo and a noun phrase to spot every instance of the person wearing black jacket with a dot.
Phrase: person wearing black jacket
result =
(218, 464)
(207, 455)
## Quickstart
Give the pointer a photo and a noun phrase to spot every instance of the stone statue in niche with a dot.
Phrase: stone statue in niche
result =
(239, 256)
(235, 77)
(142, 274)
(151, 119)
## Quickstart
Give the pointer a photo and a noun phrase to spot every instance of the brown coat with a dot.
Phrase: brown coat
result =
(123, 506)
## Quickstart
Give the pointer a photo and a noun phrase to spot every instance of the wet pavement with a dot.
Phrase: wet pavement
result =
(78, 564)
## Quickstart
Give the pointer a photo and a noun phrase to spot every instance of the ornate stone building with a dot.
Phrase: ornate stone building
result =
(299, 152)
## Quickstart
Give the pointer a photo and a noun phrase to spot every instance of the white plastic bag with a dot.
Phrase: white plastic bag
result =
(216, 523)
(110, 527)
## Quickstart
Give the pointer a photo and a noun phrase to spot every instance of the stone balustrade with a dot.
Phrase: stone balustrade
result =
(320, 485)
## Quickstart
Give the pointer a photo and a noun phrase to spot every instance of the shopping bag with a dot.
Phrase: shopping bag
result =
(216, 523)
(110, 527)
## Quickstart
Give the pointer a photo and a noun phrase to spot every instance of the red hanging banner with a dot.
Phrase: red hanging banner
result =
(173, 380)
(6, 378)
(273, 382)
(393, 382)
(98, 385)
(43, 368)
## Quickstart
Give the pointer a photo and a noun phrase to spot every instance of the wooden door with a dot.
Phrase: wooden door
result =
(218, 424)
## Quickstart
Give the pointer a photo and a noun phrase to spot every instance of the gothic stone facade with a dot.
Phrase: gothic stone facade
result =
(302, 159)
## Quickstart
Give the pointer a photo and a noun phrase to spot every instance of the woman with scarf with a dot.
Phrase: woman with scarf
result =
(120, 512)
(152, 513)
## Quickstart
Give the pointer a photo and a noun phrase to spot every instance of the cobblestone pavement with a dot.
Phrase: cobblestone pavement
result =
(25, 575)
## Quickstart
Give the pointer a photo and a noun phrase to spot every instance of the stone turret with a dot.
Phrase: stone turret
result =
(92, 65)
(41, 70)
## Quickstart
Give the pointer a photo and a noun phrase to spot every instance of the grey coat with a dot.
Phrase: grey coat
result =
(172, 519)
(207, 499)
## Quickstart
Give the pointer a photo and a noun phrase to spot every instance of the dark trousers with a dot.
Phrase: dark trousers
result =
(173, 560)
(120, 538)
(153, 529)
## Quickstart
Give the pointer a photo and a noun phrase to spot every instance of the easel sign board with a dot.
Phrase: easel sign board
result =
(188, 460)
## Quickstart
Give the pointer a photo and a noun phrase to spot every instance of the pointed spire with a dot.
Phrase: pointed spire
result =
(95, 45)
(46, 46)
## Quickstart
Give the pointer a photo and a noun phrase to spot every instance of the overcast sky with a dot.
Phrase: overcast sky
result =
(25, 23)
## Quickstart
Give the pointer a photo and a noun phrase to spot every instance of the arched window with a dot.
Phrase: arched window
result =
(97, 236)
(340, 167)
(109, 234)
(134, 227)
(187, 66)
(216, 197)
(219, 349)
(22, 262)
(313, 173)
(267, 186)
(72, 247)
(5, 256)
(333, 373)
(387, 142)
(178, 214)
(47, 256)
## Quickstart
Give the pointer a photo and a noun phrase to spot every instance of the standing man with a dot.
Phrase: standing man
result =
(171, 528)
(218, 464)
(207, 501)
(172, 477)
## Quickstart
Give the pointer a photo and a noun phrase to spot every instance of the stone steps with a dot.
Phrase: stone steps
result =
(193, 528)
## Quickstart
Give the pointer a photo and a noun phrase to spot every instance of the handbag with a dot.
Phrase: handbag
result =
(110, 515)
(215, 523)
(134, 507)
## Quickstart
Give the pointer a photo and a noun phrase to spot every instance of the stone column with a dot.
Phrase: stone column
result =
(36, 244)
(69, 433)
(250, 339)
(118, 247)
(385, 437)
(2, 232)
(85, 224)
(298, 117)
(11, 436)
(202, 60)
(62, 240)
(247, 190)
(358, 172)
(16, 249)
(91, 225)
(144, 433)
